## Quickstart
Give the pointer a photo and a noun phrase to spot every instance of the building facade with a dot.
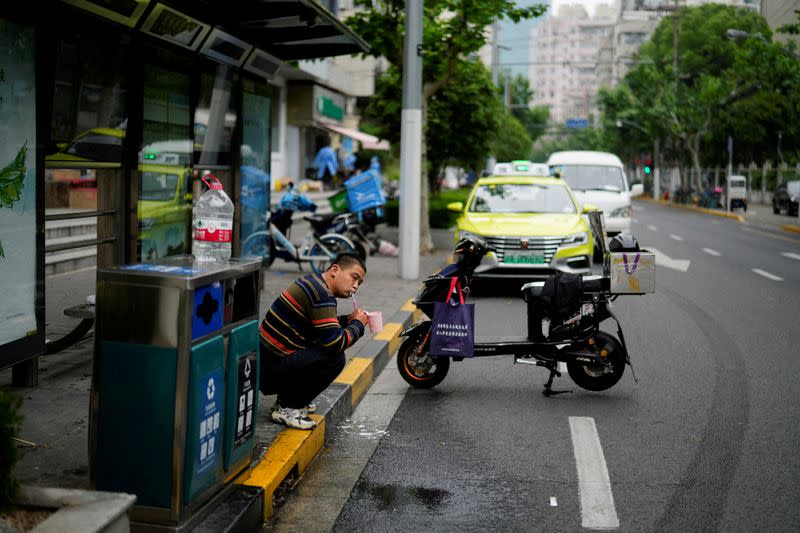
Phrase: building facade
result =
(564, 56)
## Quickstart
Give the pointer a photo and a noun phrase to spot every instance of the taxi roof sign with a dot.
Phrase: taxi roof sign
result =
(521, 168)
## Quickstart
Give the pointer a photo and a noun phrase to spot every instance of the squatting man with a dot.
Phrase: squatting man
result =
(303, 340)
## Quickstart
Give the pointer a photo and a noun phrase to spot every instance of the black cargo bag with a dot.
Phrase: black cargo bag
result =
(562, 294)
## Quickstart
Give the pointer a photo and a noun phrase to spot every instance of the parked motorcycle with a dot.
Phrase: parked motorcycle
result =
(595, 359)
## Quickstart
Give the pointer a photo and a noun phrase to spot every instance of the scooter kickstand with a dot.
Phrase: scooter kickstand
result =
(548, 387)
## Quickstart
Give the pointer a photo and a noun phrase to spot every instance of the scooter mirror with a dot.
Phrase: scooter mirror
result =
(488, 262)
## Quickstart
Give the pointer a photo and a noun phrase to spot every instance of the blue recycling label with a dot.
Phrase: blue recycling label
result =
(210, 394)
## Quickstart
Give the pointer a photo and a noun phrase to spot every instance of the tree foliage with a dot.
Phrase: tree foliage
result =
(533, 119)
(746, 89)
(453, 30)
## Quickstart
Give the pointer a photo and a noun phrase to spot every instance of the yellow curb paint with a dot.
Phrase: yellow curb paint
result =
(791, 227)
(732, 216)
(292, 447)
(357, 374)
(390, 333)
(409, 305)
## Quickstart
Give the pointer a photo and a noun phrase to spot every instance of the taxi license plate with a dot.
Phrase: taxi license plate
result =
(524, 258)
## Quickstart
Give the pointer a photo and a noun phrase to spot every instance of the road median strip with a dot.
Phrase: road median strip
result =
(293, 450)
(695, 208)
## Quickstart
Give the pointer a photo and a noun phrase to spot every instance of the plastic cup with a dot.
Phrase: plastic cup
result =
(375, 321)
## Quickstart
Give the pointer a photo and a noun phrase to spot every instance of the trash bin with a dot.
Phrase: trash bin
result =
(175, 383)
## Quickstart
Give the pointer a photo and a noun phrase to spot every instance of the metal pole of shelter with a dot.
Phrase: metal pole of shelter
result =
(411, 143)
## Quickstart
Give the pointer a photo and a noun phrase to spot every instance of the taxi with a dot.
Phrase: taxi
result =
(533, 222)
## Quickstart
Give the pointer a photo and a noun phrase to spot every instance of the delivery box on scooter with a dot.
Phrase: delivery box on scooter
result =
(632, 272)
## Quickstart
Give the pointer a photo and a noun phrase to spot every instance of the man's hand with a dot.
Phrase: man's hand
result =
(359, 315)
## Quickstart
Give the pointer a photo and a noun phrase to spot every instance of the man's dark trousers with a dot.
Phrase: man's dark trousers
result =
(298, 379)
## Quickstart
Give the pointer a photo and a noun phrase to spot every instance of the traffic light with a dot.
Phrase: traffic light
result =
(647, 169)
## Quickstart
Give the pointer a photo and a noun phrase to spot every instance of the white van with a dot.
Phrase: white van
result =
(598, 178)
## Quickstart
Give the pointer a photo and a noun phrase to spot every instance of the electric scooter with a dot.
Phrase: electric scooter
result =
(595, 359)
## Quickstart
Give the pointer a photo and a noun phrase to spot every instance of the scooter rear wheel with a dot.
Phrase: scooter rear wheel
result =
(600, 377)
(423, 370)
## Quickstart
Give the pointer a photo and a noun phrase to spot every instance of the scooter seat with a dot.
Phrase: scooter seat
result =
(320, 223)
(590, 284)
(321, 218)
(593, 283)
(533, 288)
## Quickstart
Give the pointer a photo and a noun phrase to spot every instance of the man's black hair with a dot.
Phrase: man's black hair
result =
(348, 259)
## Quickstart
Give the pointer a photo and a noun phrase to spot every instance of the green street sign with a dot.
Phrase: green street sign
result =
(327, 107)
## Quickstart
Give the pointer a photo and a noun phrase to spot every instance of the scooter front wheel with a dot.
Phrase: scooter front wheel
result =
(417, 366)
(599, 377)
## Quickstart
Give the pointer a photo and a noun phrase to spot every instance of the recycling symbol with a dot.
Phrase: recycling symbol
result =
(211, 389)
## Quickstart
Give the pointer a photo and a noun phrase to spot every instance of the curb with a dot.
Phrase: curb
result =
(714, 212)
(294, 450)
(794, 228)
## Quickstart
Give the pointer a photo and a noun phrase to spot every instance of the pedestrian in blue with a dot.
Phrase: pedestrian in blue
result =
(327, 164)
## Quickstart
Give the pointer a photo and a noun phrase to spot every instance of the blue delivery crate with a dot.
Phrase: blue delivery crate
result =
(364, 191)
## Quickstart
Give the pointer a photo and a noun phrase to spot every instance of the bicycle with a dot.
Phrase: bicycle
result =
(317, 248)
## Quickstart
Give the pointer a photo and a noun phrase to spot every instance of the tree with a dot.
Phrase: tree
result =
(463, 119)
(533, 119)
(687, 105)
(452, 30)
(512, 140)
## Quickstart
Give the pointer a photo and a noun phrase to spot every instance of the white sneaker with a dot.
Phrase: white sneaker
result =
(310, 408)
(294, 418)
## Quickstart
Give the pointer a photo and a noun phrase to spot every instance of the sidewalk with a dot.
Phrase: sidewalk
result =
(756, 215)
(56, 414)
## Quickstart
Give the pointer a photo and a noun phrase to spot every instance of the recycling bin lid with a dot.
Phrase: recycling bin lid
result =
(182, 271)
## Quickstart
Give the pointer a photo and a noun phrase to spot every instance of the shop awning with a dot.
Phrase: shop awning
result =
(288, 29)
(368, 142)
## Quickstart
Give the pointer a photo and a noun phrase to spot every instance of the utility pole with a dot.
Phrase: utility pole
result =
(411, 143)
(507, 89)
(656, 171)
(676, 32)
(495, 75)
(495, 52)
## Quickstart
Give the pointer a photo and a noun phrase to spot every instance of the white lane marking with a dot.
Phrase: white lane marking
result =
(767, 275)
(675, 237)
(652, 227)
(790, 255)
(553, 502)
(709, 251)
(662, 259)
(597, 501)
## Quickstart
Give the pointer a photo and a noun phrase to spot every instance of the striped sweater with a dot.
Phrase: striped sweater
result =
(304, 315)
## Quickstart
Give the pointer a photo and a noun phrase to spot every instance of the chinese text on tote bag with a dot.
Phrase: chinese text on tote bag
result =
(453, 328)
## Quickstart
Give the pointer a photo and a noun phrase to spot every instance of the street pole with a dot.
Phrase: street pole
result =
(411, 143)
(507, 90)
(675, 43)
(495, 76)
(495, 52)
(656, 172)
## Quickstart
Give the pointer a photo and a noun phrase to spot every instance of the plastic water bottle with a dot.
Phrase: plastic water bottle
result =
(212, 222)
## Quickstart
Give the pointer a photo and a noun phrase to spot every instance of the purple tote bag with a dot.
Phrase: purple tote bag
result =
(453, 327)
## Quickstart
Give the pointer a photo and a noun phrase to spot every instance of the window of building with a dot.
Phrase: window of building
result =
(164, 205)
(255, 168)
(214, 118)
(632, 38)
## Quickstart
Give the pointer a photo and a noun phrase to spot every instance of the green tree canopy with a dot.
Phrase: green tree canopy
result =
(453, 30)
